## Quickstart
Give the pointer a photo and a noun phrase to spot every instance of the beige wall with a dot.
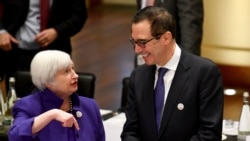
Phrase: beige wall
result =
(226, 37)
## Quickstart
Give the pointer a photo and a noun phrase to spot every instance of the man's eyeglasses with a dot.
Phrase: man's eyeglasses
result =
(142, 43)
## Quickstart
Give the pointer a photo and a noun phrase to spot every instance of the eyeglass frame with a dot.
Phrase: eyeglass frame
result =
(143, 43)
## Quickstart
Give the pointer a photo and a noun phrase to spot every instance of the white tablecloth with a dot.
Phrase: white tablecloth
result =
(113, 127)
(104, 111)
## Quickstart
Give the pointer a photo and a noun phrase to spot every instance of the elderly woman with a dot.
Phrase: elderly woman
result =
(55, 112)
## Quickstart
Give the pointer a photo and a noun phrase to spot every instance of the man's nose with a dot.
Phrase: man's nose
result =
(137, 49)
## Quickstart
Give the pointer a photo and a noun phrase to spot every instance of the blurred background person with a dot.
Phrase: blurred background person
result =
(29, 26)
(55, 111)
(184, 103)
(189, 22)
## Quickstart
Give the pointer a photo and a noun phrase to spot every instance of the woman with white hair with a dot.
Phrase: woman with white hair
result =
(55, 112)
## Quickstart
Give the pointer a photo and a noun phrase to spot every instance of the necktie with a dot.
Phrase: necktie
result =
(159, 95)
(150, 2)
(44, 11)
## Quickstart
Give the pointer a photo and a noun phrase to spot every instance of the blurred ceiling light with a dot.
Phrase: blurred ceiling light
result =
(229, 91)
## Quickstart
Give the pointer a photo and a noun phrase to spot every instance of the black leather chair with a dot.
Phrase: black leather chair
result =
(86, 84)
(124, 97)
(24, 85)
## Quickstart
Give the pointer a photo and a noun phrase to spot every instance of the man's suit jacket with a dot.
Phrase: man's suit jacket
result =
(197, 85)
(189, 21)
(66, 16)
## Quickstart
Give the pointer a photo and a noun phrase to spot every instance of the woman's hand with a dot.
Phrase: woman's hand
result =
(67, 120)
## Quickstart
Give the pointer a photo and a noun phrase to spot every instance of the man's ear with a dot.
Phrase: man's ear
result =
(167, 35)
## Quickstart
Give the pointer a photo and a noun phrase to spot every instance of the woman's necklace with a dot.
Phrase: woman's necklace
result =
(70, 106)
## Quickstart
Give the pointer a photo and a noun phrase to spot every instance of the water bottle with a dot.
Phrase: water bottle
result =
(11, 96)
(244, 123)
(2, 105)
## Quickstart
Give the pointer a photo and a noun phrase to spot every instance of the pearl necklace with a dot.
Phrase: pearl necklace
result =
(70, 106)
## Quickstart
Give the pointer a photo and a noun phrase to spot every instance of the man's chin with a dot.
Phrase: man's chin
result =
(148, 63)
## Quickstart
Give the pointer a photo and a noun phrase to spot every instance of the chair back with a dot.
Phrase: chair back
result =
(86, 84)
(124, 97)
(24, 85)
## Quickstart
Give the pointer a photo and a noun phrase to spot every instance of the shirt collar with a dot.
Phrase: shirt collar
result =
(51, 100)
(174, 60)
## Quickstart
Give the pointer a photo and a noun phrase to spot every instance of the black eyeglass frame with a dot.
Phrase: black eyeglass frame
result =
(142, 43)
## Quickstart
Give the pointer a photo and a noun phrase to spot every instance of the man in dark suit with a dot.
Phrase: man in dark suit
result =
(193, 91)
(189, 22)
(21, 35)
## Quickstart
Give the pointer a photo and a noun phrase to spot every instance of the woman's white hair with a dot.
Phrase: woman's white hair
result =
(46, 64)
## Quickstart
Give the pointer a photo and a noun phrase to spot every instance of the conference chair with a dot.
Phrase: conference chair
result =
(24, 85)
(124, 96)
(86, 84)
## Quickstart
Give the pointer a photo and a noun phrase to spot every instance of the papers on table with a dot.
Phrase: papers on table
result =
(104, 112)
(230, 127)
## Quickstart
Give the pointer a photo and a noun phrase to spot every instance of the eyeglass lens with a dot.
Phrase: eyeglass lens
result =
(140, 43)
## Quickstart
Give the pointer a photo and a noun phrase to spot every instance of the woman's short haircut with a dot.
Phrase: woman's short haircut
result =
(46, 64)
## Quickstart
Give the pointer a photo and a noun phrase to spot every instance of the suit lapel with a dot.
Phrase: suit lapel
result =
(179, 80)
(148, 99)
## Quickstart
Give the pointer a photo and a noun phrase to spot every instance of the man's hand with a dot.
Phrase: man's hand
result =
(5, 41)
(46, 37)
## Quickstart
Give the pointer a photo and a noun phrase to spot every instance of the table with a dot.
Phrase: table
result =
(113, 124)
(113, 127)
(3, 135)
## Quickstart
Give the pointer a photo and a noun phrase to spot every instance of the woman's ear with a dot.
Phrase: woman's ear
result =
(48, 85)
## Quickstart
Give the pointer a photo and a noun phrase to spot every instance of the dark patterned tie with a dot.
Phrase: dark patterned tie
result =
(44, 11)
(159, 95)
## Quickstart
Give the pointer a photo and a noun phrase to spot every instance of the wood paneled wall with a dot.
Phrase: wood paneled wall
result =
(238, 78)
